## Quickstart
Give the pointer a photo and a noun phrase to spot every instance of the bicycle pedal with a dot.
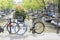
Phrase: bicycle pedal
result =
(33, 31)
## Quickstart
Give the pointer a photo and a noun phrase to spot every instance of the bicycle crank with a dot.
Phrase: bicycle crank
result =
(33, 30)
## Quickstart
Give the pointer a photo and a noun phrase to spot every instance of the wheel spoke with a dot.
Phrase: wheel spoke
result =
(39, 27)
(14, 28)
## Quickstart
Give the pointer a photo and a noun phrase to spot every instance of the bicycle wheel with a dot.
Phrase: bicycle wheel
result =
(39, 27)
(13, 28)
(22, 30)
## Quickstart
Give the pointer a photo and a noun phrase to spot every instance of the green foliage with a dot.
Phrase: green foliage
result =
(6, 4)
(59, 6)
(34, 4)
(20, 12)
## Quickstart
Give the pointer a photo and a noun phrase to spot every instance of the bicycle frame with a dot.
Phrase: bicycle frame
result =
(8, 24)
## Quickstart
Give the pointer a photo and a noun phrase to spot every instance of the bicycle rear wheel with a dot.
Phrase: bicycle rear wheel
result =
(39, 27)
(13, 28)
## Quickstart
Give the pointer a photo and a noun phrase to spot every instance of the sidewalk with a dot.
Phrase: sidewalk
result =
(48, 34)
(43, 36)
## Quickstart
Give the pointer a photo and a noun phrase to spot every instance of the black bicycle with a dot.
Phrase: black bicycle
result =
(38, 26)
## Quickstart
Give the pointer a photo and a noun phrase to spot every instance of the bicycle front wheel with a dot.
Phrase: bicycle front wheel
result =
(39, 27)
(13, 28)
(22, 30)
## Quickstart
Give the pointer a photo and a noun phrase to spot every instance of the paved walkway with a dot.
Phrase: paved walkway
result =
(49, 34)
(43, 36)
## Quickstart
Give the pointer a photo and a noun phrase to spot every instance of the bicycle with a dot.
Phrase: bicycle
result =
(38, 25)
(34, 28)
(23, 29)
(10, 26)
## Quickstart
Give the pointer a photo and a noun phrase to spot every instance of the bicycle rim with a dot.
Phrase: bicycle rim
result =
(13, 29)
(22, 30)
(39, 27)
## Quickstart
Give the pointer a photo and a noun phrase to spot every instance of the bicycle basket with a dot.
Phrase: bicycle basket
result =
(20, 19)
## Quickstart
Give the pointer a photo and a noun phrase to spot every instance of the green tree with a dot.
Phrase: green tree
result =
(34, 4)
(6, 4)
(59, 6)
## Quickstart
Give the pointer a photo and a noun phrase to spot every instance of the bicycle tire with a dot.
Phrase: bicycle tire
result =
(10, 29)
(24, 28)
(39, 31)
